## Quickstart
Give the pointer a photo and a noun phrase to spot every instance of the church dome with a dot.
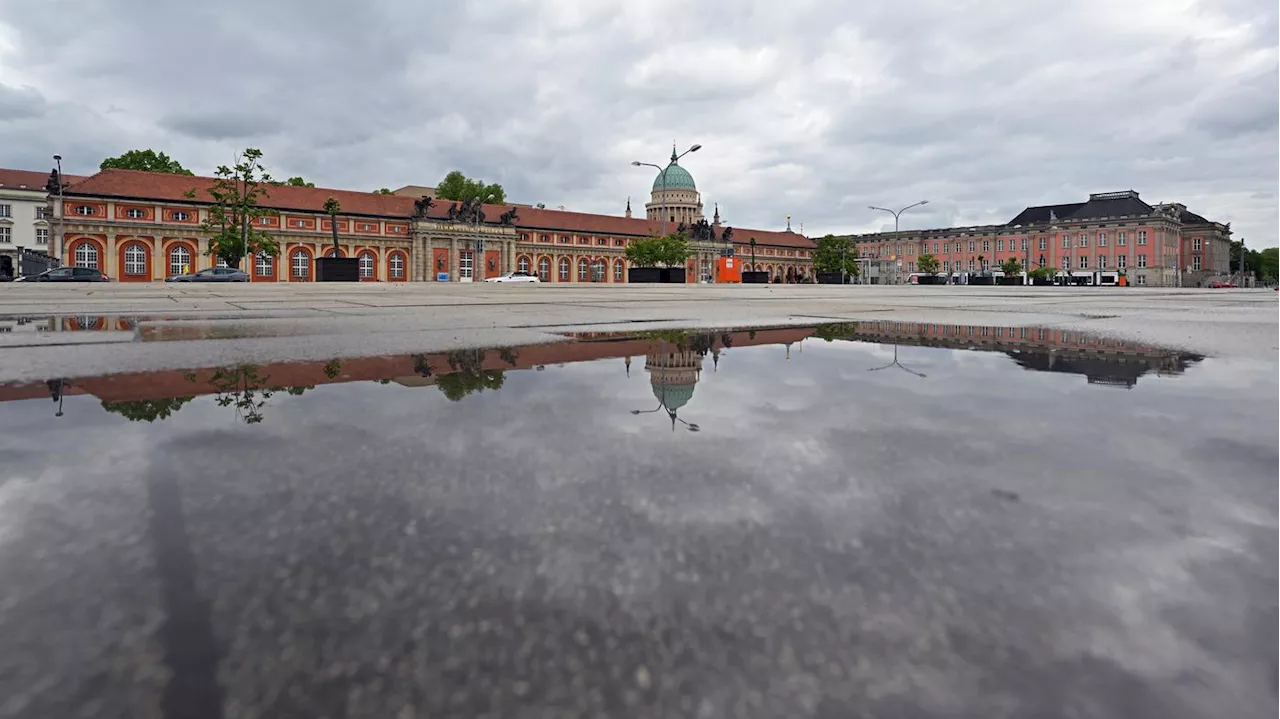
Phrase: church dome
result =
(678, 178)
(673, 396)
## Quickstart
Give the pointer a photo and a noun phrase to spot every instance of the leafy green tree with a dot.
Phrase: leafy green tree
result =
(1011, 267)
(927, 264)
(669, 251)
(457, 186)
(1269, 263)
(147, 410)
(332, 208)
(298, 182)
(834, 254)
(237, 192)
(146, 160)
(383, 191)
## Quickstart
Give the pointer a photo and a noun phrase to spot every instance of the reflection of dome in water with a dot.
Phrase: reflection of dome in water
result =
(673, 396)
(673, 376)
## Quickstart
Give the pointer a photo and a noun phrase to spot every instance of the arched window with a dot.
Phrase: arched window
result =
(564, 269)
(544, 269)
(397, 266)
(87, 255)
(522, 264)
(301, 264)
(617, 271)
(222, 262)
(366, 265)
(179, 259)
(582, 270)
(135, 260)
(333, 253)
(264, 265)
(598, 271)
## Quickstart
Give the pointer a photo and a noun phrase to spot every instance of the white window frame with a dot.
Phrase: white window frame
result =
(1197, 244)
(1102, 239)
(86, 210)
(365, 262)
(6, 210)
(1066, 241)
(90, 251)
(1082, 262)
(179, 257)
(42, 235)
(1142, 261)
(1142, 237)
(1122, 261)
(264, 265)
(1122, 239)
(397, 266)
(522, 264)
(565, 267)
(1083, 240)
(6, 235)
(1043, 244)
(134, 213)
(135, 259)
(544, 268)
(619, 270)
(300, 264)
(179, 216)
(584, 270)
(466, 265)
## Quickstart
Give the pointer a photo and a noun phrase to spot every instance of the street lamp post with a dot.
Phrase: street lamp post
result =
(62, 238)
(896, 214)
(662, 172)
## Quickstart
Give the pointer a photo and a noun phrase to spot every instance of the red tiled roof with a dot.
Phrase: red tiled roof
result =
(135, 184)
(30, 179)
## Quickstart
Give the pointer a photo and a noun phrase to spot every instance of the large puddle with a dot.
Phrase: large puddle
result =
(880, 519)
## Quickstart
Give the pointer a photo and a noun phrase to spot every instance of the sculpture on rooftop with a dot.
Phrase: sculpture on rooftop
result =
(421, 207)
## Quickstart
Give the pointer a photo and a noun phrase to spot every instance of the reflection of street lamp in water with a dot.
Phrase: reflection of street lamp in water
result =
(673, 375)
(899, 364)
(671, 412)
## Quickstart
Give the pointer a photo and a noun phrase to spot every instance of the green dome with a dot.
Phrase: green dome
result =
(678, 178)
(673, 396)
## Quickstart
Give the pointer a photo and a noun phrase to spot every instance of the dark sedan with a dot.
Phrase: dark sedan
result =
(68, 274)
(213, 274)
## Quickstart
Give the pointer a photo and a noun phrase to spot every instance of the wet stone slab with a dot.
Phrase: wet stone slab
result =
(866, 519)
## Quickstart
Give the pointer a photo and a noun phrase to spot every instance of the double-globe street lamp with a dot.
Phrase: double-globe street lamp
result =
(896, 214)
(662, 173)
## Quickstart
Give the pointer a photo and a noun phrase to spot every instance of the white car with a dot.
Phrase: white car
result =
(515, 277)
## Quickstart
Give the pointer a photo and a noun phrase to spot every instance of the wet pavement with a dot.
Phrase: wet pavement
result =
(880, 519)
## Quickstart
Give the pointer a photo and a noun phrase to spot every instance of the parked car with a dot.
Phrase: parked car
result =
(212, 274)
(68, 274)
(515, 277)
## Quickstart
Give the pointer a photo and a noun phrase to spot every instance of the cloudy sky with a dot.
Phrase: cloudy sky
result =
(806, 108)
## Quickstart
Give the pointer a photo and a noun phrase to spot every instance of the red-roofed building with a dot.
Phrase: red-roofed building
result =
(143, 226)
(24, 224)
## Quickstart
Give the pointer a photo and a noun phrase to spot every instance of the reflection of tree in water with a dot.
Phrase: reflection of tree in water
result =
(699, 343)
(468, 374)
(836, 331)
(147, 410)
(245, 388)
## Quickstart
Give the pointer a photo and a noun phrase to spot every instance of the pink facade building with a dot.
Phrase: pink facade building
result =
(1162, 245)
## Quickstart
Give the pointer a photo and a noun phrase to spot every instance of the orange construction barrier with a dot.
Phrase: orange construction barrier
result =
(728, 269)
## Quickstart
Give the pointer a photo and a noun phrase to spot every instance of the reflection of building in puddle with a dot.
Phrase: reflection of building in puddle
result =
(1102, 360)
